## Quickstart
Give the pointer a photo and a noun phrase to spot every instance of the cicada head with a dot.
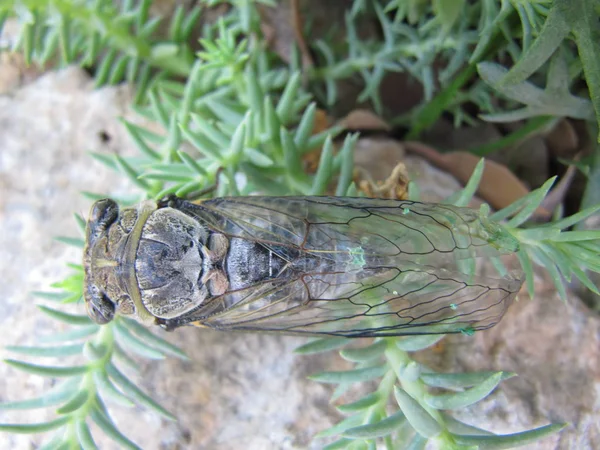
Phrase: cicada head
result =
(107, 230)
(144, 260)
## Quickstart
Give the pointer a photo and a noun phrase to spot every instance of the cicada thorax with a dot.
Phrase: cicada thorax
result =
(161, 262)
(171, 259)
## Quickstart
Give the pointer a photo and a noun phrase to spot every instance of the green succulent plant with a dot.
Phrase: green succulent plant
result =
(243, 113)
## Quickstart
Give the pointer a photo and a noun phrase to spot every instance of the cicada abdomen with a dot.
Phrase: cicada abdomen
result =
(352, 267)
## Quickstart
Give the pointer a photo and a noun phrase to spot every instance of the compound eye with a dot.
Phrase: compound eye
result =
(102, 215)
(100, 308)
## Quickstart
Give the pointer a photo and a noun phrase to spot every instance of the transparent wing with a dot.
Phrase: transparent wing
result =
(386, 267)
(419, 232)
(379, 302)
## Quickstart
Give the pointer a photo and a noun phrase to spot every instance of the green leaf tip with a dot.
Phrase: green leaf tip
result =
(496, 235)
(350, 376)
(34, 428)
(465, 398)
(322, 345)
(381, 428)
(500, 442)
(417, 416)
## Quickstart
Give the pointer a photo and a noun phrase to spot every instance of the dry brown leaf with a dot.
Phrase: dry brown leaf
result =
(322, 121)
(298, 26)
(15, 72)
(499, 186)
(562, 141)
(558, 193)
(377, 156)
(364, 119)
(311, 159)
(528, 160)
(282, 27)
(379, 170)
(394, 187)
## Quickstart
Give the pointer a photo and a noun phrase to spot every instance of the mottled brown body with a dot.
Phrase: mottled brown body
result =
(296, 265)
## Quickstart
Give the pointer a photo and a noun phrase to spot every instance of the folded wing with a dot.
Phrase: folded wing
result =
(389, 267)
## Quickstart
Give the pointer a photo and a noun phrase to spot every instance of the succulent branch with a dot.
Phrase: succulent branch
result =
(235, 117)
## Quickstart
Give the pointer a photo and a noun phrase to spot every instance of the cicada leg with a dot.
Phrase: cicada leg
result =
(198, 196)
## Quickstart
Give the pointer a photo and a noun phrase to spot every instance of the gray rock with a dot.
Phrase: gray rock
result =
(238, 391)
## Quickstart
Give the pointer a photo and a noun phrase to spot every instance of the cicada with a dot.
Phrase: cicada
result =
(351, 267)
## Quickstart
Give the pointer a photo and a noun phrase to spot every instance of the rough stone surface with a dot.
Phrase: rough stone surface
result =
(553, 347)
(238, 390)
(241, 391)
(46, 127)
